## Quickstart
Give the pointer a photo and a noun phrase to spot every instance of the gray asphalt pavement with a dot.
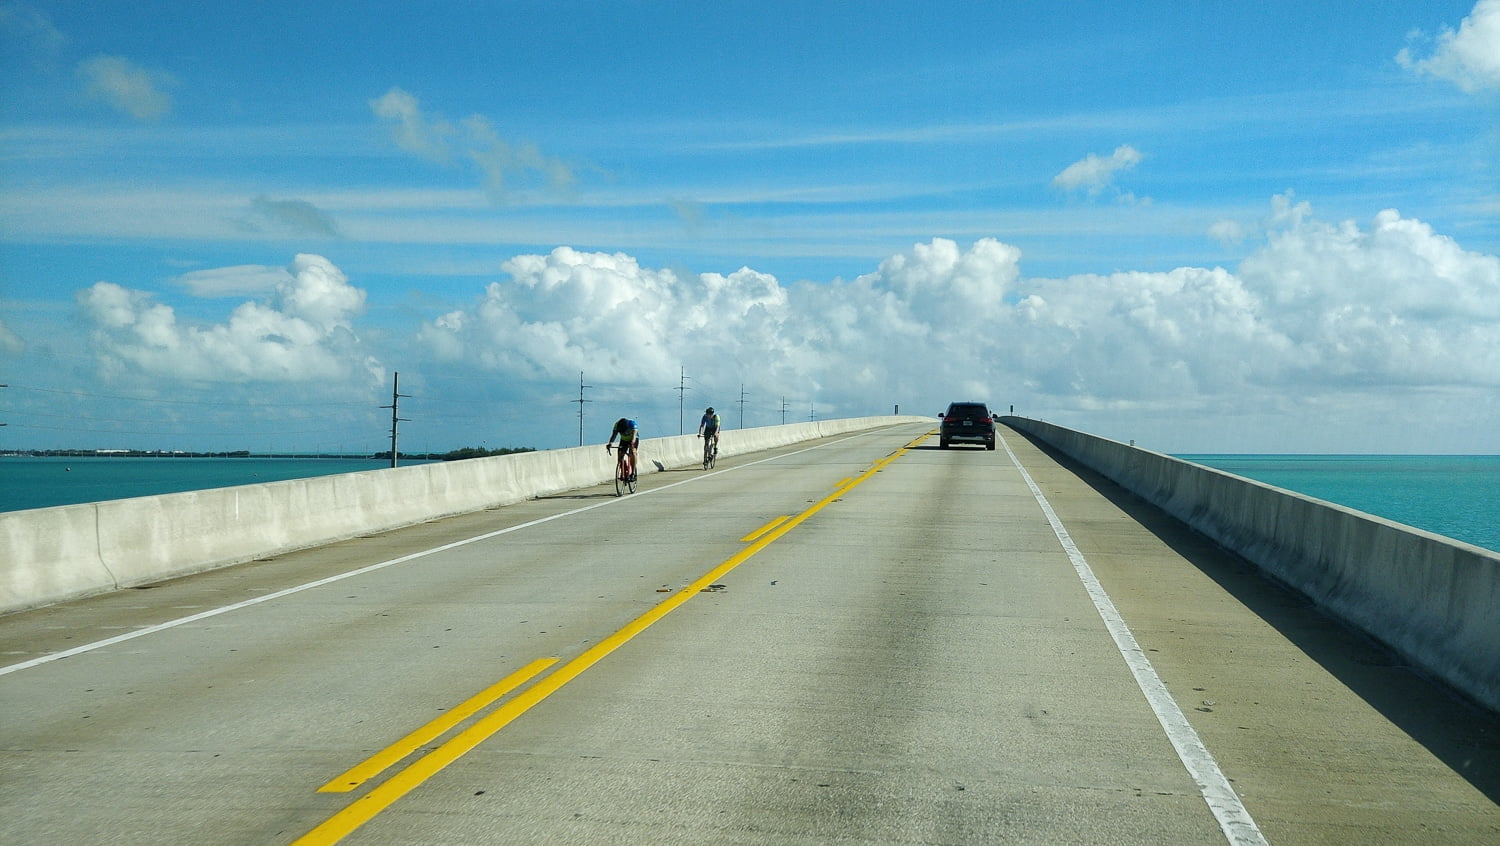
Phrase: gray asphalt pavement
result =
(862, 640)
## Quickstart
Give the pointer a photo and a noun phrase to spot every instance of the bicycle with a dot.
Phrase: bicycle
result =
(624, 482)
(710, 451)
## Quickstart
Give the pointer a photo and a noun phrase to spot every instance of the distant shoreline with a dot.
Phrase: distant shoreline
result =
(145, 453)
(452, 455)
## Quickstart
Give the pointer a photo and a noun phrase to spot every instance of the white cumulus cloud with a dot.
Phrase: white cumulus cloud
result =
(1319, 310)
(571, 310)
(1393, 305)
(1468, 57)
(302, 332)
(1328, 326)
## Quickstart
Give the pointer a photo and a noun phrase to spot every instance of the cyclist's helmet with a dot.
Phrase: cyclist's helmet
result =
(621, 423)
(709, 410)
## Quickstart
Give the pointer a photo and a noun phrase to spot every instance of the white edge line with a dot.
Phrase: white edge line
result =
(1238, 827)
(214, 612)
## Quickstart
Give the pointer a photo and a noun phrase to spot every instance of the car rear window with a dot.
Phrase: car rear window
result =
(968, 410)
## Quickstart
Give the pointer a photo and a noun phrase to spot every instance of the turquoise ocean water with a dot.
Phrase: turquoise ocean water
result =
(33, 482)
(1456, 496)
(1453, 495)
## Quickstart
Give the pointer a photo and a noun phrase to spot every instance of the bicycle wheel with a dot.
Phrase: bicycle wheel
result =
(618, 483)
(708, 456)
(713, 457)
(630, 482)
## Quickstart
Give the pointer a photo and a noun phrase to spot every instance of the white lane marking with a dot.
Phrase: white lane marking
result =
(1213, 785)
(171, 624)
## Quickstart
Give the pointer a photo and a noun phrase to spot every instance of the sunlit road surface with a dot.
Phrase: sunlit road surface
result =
(860, 640)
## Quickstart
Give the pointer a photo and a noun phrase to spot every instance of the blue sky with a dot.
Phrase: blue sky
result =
(1204, 227)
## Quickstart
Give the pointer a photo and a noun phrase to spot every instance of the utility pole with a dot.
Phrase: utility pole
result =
(742, 405)
(580, 402)
(783, 409)
(681, 394)
(396, 396)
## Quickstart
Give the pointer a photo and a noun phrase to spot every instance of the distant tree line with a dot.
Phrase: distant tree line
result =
(457, 454)
(454, 455)
(129, 453)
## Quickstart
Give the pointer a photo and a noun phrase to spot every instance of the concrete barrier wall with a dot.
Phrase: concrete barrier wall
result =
(1434, 600)
(49, 555)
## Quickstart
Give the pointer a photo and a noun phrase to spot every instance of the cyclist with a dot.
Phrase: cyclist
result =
(630, 440)
(708, 427)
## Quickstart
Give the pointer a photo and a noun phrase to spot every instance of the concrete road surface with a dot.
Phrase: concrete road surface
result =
(861, 640)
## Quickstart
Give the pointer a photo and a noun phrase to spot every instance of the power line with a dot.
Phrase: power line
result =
(396, 396)
(580, 402)
(681, 395)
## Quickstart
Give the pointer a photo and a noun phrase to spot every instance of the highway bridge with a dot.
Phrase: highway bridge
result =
(856, 639)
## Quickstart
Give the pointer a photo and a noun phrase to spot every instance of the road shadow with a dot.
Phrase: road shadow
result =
(1460, 733)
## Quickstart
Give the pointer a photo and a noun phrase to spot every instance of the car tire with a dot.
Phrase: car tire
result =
(990, 445)
(943, 442)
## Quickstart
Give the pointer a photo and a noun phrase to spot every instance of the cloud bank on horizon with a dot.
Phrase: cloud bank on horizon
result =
(269, 307)
(1320, 309)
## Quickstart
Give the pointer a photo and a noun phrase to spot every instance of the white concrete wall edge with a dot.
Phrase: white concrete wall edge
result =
(1428, 597)
(55, 554)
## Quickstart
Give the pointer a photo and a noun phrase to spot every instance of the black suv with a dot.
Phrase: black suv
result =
(967, 422)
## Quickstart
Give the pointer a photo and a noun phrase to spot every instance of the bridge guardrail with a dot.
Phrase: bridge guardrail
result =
(49, 555)
(1434, 600)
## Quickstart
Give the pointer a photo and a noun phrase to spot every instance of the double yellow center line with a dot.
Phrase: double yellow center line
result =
(365, 808)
